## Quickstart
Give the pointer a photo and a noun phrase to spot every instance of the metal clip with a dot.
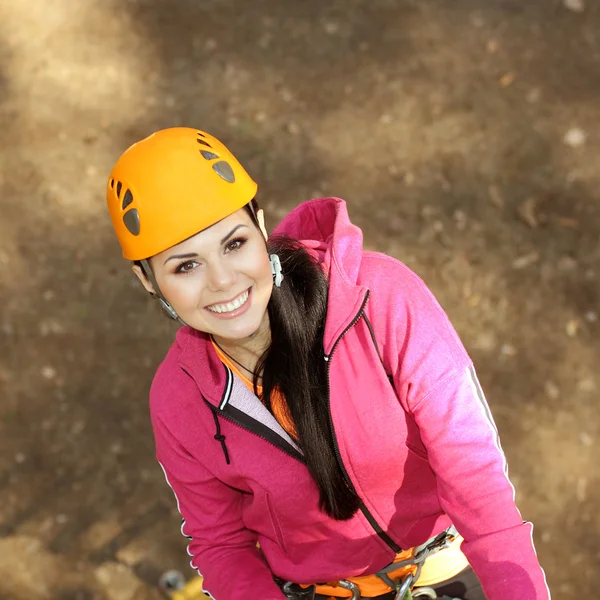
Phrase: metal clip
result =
(425, 592)
(348, 585)
(404, 589)
(293, 591)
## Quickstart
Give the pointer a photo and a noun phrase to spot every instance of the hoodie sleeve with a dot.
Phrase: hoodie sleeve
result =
(436, 383)
(223, 551)
(464, 451)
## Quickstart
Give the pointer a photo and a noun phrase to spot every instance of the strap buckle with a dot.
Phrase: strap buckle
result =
(293, 591)
(405, 585)
(403, 592)
(348, 585)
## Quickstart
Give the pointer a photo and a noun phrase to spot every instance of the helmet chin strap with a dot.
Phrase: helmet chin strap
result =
(163, 301)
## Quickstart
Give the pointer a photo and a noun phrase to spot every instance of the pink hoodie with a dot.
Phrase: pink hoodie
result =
(421, 454)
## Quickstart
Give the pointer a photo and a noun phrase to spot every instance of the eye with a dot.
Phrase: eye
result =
(235, 244)
(186, 267)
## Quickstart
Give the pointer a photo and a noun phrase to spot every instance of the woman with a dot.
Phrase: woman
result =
(317, 416)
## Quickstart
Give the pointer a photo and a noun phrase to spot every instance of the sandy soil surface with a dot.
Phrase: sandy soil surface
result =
(464, 137)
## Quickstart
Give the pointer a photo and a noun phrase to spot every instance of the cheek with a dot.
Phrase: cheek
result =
(177, 290)
(264, 273)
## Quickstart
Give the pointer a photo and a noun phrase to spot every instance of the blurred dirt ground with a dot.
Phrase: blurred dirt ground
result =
(465, 139)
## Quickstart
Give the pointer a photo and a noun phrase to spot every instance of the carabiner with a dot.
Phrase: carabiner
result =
(404, 589)
(292, 591)
(348, 585)
(425, 592)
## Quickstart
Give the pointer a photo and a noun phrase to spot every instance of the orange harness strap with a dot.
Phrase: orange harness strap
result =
(438, 566)
(370, 586)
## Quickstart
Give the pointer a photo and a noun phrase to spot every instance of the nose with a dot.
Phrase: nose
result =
(220, 277)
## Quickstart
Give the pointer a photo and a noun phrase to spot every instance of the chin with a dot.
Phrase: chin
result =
(234, 333)
(237, 331)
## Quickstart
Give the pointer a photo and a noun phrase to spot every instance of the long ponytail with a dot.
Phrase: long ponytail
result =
(294, 365)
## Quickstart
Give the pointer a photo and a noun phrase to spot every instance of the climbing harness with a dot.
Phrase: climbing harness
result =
(402, 585)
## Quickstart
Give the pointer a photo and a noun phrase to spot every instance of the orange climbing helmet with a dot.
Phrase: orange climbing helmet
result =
(170, 186)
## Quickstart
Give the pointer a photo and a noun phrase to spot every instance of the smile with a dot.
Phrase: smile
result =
(230, 306)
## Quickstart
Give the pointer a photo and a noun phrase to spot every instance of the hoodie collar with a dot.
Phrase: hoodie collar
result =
(323, 225)
(197, 356)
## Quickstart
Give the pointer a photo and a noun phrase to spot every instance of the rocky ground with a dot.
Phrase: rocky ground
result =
(465, 139)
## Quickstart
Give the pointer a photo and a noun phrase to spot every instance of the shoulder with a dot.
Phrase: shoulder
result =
(407, 320)
(378, 265)
(172, 389)
(395, 285)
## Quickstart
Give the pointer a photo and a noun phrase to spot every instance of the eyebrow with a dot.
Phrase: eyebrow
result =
(232, 232)
(189, 255)
(194, 255)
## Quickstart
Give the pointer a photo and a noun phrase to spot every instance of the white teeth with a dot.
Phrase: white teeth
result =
(236, 303)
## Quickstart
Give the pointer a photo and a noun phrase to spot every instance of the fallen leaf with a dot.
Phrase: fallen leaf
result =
(48, 372)
(526, 260)
(587, 384)
(566, 264)
(534, 95)
(581, 489)
(293, 128)
(508, 350)
(572, 327)
(552, 390)
(577, 6)
(527, 212)
(409, 178)
(507, 79)
(331, 27)
(546, 537)
(575, 137)
(495, 196)
(474, 300)
(492, 46)
(567, 222)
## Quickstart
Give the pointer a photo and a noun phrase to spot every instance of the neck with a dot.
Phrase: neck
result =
(248, 350)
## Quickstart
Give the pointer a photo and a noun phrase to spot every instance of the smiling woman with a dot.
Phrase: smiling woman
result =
(317, 416)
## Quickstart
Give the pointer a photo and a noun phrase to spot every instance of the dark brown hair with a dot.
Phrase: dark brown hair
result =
(294, 364)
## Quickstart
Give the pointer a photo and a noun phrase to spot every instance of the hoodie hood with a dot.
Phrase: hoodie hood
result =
(323, 226)
(324, 223)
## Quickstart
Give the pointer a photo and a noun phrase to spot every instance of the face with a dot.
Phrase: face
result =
(218, 281)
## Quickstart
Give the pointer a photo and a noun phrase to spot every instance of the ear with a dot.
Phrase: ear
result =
(142, 277)
(260, 217)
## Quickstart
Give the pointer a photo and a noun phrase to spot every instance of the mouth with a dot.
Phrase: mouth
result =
(231, 308)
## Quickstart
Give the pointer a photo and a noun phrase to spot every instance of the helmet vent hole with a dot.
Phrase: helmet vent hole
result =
(208, 155)
(224, 170)
(204, 143)
(119, 186)
(132, 221)
(200, 134)
(127, 200)
(112, 183)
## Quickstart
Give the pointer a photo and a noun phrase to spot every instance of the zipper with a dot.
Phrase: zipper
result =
(228, 417)
(365, 511)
